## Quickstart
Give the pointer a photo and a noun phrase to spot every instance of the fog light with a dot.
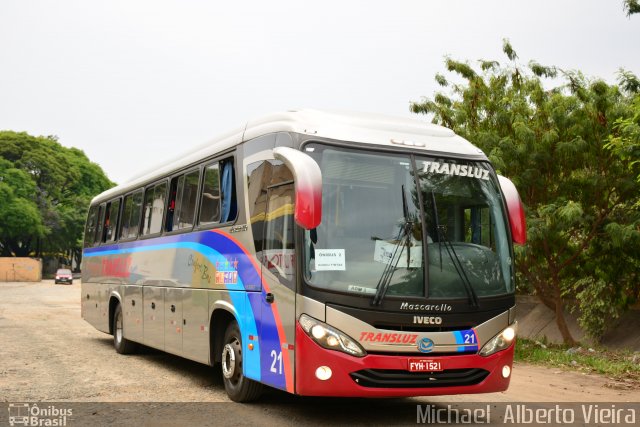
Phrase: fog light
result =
(323, 373)
(506, 371)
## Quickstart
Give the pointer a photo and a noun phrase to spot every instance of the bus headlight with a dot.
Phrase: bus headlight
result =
(501, 341)
(329, 337)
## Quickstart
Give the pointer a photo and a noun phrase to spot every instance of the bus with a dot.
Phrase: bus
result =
(316, 252)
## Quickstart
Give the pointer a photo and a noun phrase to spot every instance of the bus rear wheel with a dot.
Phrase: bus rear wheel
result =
(120, 343)
(238, 387)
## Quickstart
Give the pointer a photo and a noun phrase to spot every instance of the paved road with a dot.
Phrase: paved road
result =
(49, 354)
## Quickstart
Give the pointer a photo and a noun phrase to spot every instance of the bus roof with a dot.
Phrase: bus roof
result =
(365, 128)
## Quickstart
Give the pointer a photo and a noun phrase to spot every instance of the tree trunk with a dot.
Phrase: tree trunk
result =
(562, 323)
(77, 253)
(554, 302)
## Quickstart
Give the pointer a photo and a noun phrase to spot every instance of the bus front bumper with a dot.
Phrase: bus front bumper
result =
(377, 375)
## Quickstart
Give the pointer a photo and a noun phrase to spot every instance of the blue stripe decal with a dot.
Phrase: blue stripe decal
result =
(467, 340)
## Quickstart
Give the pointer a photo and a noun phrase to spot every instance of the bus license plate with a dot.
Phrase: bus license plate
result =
(424, 365)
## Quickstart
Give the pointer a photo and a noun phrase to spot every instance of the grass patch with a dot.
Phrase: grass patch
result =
(621, 366)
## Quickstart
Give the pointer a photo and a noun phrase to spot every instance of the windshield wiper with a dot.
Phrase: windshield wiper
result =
(442, 236)
(390, 268)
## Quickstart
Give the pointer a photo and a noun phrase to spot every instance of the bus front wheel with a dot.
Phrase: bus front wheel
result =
(120, 343)
(238, 387)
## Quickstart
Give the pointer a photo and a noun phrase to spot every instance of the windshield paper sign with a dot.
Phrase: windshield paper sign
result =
(454, 169)
(384, 251)
(330, 260)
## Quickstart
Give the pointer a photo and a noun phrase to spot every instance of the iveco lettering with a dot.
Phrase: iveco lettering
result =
(319, 253)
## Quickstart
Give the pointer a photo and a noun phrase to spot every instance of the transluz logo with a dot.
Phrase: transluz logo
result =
(26, 414)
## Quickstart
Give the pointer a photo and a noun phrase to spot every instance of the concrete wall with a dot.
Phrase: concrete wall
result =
(536, 321)
(20, 270)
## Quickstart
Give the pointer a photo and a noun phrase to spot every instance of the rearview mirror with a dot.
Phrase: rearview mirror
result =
(515, 209)
(308, 186)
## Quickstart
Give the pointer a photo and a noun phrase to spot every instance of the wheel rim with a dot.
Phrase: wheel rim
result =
(119, 327)
(232, 361)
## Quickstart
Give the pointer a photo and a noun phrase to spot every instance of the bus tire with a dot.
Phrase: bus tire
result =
(120, 343)
(238, 387)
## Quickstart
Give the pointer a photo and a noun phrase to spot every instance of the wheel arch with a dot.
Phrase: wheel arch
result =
(114, 301)
(222, 315)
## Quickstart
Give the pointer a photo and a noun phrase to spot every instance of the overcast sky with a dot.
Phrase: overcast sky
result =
(133, 83)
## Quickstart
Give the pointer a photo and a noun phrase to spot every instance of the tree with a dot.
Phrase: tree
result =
(20, 219)
(631, 6)
(47, 189)
(584, 231)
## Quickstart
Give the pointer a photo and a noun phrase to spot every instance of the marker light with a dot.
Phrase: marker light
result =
(329, 337)
(501, 341)
(323, 373)
(506, 371)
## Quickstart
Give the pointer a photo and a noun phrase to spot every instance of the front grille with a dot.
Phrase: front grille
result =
(391, 378)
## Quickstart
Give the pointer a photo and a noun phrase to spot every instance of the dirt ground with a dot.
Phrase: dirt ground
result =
(49, 354)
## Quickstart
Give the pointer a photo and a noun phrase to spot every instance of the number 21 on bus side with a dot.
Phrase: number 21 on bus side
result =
(276, 362)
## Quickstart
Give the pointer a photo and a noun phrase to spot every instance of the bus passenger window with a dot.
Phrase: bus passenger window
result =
(90, 230)
(229, 203)
(182, 205)
(111, 221)
(100, 225)
(154, 208)
(175, 194)
(210, 199)
(131, 215)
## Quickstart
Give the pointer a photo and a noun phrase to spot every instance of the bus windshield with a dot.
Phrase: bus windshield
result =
(416, 226)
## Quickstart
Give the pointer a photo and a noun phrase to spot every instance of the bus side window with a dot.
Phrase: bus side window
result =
(100, 225)
(90, 230)
(154, 199)
(111, 221)
(228, 184)
(210, 198)
(175, 194)
(270, 182)
(279, 253)
(182, 201)
(131, 215)
(258, 178)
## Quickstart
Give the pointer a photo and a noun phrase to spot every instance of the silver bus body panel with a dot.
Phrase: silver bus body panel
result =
(173, 319)
(132, 313)
(153, 311)
(195, 327)
(310, 307)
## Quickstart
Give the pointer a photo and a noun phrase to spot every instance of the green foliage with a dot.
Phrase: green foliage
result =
(631, 7)
(624, 141)
(569, 149)
(45, 189)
